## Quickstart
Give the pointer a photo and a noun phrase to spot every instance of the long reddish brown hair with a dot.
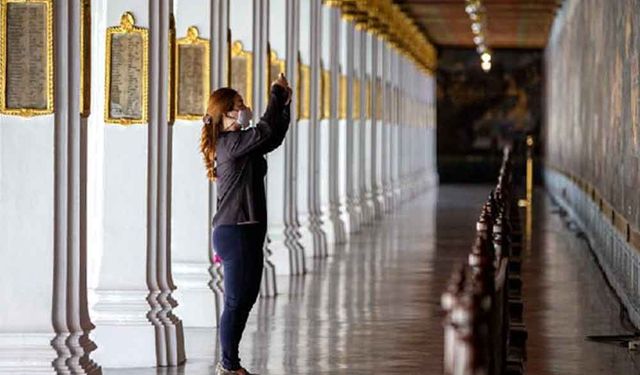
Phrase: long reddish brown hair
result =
(221, 101)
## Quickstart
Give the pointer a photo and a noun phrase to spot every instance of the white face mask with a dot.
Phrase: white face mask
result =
(244, 117)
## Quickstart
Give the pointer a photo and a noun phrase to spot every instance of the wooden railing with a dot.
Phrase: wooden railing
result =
(484, 328)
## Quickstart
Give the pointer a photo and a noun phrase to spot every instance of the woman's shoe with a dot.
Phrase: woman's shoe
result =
(223, 371)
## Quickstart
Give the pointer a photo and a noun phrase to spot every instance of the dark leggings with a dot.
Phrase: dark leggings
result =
(240, 247)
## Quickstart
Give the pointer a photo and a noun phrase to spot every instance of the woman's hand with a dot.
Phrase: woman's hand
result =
(282, 81)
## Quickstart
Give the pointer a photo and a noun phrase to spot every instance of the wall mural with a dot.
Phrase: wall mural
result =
(479, 113)
(592, 118)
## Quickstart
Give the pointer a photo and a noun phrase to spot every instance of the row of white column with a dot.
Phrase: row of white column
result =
(105, 229)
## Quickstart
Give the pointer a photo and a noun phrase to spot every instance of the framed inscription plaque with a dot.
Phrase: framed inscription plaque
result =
(356, 98)
(275, 66)
(304, 91)
(26, 57)
(325, 113)
(342, 100)
(126, 72)
(242, 72)
(379, 99)
(171, 76)
(85, 58)
(192, 75)
(367, 98)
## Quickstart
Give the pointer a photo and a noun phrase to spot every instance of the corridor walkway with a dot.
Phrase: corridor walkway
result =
(374, 307)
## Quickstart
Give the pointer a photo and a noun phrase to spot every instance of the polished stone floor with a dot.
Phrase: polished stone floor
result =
(373, 307)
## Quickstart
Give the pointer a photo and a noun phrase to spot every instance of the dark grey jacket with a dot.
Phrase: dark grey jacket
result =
(241, 166)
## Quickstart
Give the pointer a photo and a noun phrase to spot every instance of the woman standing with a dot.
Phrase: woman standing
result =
(234, 157)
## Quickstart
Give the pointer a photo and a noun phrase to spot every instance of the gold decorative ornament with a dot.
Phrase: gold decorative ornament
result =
(26, 57)
(193, 84)
(126, 73)
(242, 71)
(85, 58)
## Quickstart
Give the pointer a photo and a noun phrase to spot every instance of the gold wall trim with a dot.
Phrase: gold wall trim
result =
(193, 39)
(242, 71)
(127, 26)
(26, 112)
(617, 220)
(85, 58)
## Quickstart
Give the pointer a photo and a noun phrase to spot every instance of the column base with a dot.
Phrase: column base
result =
(284, 256)
(198, 303)
(293, 244)
(123, 322)
(39, 353)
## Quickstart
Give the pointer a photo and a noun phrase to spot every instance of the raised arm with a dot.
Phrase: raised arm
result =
(269, 131)
(280, 126)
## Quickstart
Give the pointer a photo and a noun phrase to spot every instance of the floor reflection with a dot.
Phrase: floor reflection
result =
(373, 307)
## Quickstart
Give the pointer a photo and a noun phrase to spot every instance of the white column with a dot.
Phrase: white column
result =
(368, 155)
(357, 198)
(302, 152)
(287, 253)
(128, 194)
(378, 124)
(169, 331)
(190, 218)
(45, 323)
(293, 227)
(327, 128)
(220, 64)
(346, 159)
(334, 149)
(387, 109)
(308, 137)
(395, 129)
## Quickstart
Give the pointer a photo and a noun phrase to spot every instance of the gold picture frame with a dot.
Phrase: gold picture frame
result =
(85, 58)
(46, 51)
(242, 71)
(193, 40)
(342, 97)
(127, 28)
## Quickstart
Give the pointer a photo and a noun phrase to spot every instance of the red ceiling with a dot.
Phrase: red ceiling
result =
(510, 23)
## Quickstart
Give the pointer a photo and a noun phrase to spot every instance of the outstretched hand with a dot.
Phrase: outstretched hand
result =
(282, 81)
